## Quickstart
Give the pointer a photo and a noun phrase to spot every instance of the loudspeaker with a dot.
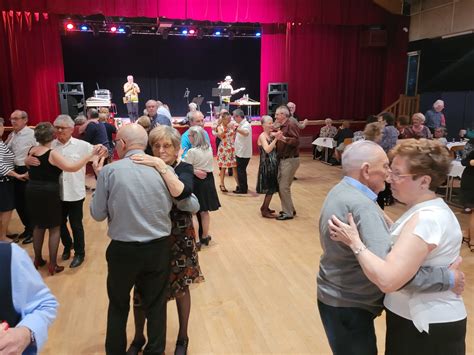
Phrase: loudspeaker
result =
(71, 98)
(277, 96)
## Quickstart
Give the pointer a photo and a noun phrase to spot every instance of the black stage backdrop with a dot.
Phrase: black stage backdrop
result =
(162, 68)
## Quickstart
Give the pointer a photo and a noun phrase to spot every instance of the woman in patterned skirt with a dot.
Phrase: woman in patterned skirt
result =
(226, 151)
(165, 142)
(267, 181)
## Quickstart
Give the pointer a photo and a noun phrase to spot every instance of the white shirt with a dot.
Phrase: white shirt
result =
(73, 185)
(20, 143)
(437, 225)
(200, 159)
(243, 144)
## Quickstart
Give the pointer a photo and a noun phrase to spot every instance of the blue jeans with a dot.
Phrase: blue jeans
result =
(350, 331)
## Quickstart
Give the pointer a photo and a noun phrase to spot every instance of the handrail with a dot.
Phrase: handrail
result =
(404, 106)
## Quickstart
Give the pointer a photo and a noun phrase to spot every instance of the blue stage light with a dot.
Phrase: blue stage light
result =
(258, 34)
(84, 28)
(217, 33)
(184, 32)
(121, 30)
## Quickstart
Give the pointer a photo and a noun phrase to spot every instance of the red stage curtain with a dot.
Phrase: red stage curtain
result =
(329, 73)
(31, 65)
(335, 12)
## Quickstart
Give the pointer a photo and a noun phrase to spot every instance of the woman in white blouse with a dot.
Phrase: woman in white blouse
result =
(427, 234)
(201, 158)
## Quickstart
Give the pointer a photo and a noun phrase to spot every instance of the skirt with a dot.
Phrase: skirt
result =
(43, 204)
(7, 191)
(205, 191)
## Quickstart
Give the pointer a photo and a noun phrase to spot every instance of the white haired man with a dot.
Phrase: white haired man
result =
(131, 91)
(348, 301)
(435, 117)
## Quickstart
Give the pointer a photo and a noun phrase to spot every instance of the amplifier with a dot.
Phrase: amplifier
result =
(103, 94)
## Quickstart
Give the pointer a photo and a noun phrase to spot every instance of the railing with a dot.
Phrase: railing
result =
(404, 106)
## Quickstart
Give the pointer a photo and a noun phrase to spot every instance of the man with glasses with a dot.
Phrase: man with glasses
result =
(73, 191)
(348, 301)
(20, 141)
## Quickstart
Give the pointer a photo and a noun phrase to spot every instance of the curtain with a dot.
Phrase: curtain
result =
(335, 12)
(329, 73)
(31, 65)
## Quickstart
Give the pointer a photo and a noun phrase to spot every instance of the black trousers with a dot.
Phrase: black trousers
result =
(20, 200)
(444, 338)
(146, 266)
(242, 164)
(350, 331)
(72, 210)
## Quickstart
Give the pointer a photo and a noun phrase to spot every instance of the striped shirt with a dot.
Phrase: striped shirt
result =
(6, 160)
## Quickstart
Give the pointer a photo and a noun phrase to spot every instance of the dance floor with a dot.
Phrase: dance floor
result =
(260, 290)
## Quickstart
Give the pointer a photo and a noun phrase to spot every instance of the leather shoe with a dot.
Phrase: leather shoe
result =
(28, 239)
(281, 212)
(283, 217)
(77, 261)
(12, 236)
(66, 254)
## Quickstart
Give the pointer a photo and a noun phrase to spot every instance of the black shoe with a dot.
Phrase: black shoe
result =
(135, 347)
(66, 254)
(295, 178)
(25, 234)
(28, 239)
(181, 346)
(281, 212)
(283, 217)
(239, 192)
(12, 236)
(77, 261)
(205, 240)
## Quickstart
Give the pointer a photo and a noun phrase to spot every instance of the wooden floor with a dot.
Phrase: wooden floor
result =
(260, 289)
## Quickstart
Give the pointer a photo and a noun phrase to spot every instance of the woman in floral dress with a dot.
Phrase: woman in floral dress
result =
(226, 151)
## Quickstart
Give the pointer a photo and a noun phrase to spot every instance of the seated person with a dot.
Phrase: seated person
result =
(440, 135)
(343, 133)
(327, 131)
(359, 135)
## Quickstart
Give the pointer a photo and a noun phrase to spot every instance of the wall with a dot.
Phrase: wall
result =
(436, 18)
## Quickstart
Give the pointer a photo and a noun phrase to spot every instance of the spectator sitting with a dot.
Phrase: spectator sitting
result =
(359, 135)
(390, 133)
(440, 135)
(417, 130)
(373, 132)
(402, 124)
(327, 131)
(343, 133)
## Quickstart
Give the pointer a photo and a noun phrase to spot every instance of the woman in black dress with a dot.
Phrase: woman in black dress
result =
(165, 142)
(267, 181)
(42, 194)
(467, 189)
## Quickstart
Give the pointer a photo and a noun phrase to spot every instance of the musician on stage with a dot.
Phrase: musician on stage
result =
(227, 84)
(131, 91)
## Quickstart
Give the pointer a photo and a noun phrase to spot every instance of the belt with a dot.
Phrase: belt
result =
(154, 241)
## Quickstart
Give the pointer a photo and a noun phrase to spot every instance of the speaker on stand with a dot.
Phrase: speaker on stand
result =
(277, 96)
(71, 98)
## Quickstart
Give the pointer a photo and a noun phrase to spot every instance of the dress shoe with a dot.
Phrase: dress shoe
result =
(12, 236)
(28, 239)
(54, 269)
(239, 192)
(39, 263)
(76, 261)
(283, 217)
(281, 212)
(135, 347)
(25, 234)
(181, 346)
(66, 254)
(205, 240)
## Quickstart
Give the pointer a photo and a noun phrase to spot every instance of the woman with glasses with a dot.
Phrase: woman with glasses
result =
(165, 142)
(427, 234)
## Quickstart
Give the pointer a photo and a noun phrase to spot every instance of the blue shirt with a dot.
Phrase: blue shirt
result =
(433, 119)
(32, 299)
(186, 143)
(361, 187)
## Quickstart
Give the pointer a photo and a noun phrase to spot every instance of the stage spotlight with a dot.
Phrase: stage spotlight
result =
(217, 33)
(113, 29)
(84, 28)
(184, 32)
(121, 30)
(191, 32)
(258, 34)
(69, 26)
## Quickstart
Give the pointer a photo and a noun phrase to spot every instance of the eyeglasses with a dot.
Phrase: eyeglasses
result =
(118, 140)
(397, 177)
(165, 146)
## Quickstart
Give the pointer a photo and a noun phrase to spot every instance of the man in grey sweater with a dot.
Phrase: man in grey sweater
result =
(348, 302)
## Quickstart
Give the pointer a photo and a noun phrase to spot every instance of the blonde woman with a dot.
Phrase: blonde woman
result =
(225, 151)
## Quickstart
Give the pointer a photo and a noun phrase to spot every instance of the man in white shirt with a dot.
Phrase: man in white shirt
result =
(73, 191)
(20, 141)
(243, 149)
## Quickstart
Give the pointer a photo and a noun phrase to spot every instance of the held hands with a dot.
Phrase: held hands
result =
(23, 177)
(100, 150)
(13, 341)
(459, 280)
(342, 232)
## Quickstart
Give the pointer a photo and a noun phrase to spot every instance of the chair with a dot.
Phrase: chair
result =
(347, 141)
(456, 149)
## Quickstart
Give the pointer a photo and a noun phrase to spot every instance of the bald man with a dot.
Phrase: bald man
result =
(348, 301)
(139, 252)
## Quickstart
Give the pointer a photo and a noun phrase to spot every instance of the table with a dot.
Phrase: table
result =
(327, 143)
(456, 172)
(455, 144)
